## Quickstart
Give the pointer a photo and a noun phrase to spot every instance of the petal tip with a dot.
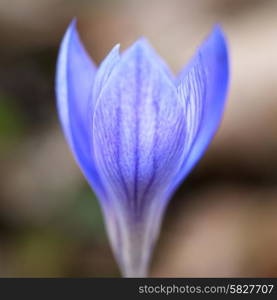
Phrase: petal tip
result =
(72, 27)
(73, 21)
(141, 45)
(144, 43)
(116, 48)
(218, 37)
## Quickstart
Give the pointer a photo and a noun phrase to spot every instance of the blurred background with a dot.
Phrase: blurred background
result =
(223, 219)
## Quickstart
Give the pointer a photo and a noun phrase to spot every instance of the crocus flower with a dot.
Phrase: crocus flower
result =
(136, 131)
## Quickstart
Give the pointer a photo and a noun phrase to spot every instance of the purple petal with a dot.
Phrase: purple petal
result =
(138, 138)
(104, 72)
(202, 89)
(74, 81)
(155, 58)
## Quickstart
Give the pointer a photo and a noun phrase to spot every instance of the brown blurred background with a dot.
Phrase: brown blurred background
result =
(223, 219)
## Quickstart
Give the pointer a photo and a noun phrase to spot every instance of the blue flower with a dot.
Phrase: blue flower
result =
(136, 131)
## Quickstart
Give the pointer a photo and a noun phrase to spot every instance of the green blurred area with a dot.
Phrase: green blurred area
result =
(11, 122)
